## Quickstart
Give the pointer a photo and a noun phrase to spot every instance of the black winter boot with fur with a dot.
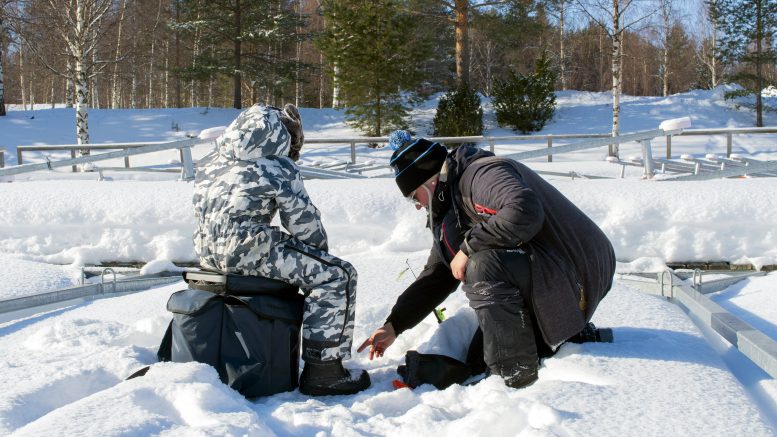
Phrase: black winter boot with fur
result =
(331, 378)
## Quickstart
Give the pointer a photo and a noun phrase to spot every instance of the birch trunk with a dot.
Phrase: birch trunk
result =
(195, 53)
(297, 73)
(150, 95)
(82, 106)
(53, 91)
(321, 81)
(336, 86)
(115, 91)
(665, 49)
(69, 85)
(759, 119)
(166, 90)
(713, 61)
(21, 77)
(237, 100)
(134, 68)
(562, 58)
(2, 86)
(617, 40)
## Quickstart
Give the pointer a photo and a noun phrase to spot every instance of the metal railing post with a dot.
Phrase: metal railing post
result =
(668, 147)
(728, 144)
(73, 156)
(126, 160)
(187, 165)
(353, 152)
(491, 145)
(550, 146)
(647, 159)
(2, 158)
(18, 156)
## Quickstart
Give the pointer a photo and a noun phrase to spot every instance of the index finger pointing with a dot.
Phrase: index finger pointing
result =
(366, 343)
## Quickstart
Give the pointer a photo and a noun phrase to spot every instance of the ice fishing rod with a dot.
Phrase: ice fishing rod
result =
(438, 312)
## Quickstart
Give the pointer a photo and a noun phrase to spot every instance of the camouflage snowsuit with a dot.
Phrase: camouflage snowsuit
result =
(239, 188)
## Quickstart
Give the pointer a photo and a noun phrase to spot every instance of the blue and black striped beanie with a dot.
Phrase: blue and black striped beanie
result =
(414, 161)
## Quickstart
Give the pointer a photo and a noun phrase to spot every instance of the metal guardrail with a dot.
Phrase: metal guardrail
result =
(491, 141)
(2, 158)
(728, 132)
(187, 170)
(754, 344)
(128, 149)
(549, 139)
(13, 308)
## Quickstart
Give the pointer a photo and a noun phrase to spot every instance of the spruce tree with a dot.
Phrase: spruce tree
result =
(526, 102)
(748, 32)
(379, 59)
(459, 113)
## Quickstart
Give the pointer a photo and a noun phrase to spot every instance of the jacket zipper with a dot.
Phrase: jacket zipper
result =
(445, 240)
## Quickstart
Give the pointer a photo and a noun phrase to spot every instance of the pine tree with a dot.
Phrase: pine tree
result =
(748, 32)
(246, 41)
(379, 58)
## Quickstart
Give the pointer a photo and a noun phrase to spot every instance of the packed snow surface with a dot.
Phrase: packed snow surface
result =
(62, 372)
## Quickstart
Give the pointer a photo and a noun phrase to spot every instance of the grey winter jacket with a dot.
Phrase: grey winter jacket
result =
(500, 203)
(239, 188)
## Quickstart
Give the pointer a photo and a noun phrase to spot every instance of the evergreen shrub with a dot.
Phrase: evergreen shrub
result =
(459, 114)
(526, 102)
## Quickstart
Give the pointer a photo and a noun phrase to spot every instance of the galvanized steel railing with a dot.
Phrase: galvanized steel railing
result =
(754, 344)
(593, 140)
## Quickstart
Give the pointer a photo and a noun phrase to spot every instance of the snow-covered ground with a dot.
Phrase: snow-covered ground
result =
(62, 372)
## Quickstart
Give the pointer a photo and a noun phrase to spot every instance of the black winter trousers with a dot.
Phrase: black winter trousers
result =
(498, 286)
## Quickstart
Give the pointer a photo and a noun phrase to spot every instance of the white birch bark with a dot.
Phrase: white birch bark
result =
(297, 74)
(562, 56)
(166, 90)
(336, 86)
(2, 86)
(150, 95)
(134, 68)
(617, 40)
(22, 87)
(69, 85)
(115, 91)
(665, 29)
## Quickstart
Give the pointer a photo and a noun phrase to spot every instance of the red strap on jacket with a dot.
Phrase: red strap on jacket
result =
(480, 209)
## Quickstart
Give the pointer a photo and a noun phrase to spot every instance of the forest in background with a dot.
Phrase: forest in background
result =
(327, 53)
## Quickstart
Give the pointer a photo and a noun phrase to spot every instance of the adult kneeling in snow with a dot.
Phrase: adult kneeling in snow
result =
(534, 266)
(240, 186)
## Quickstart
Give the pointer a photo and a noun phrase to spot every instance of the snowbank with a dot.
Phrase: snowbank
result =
(62, 373)
(89, 222)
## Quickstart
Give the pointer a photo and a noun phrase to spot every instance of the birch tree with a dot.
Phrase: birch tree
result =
(2, 56)
(559, 9)
(115, 91)
(77, 23)
(709, 49)
(615, 17)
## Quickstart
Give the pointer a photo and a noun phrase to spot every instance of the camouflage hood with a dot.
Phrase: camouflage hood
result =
(256, 133)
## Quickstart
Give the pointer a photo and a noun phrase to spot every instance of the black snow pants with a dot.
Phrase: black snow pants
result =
(498, 286)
